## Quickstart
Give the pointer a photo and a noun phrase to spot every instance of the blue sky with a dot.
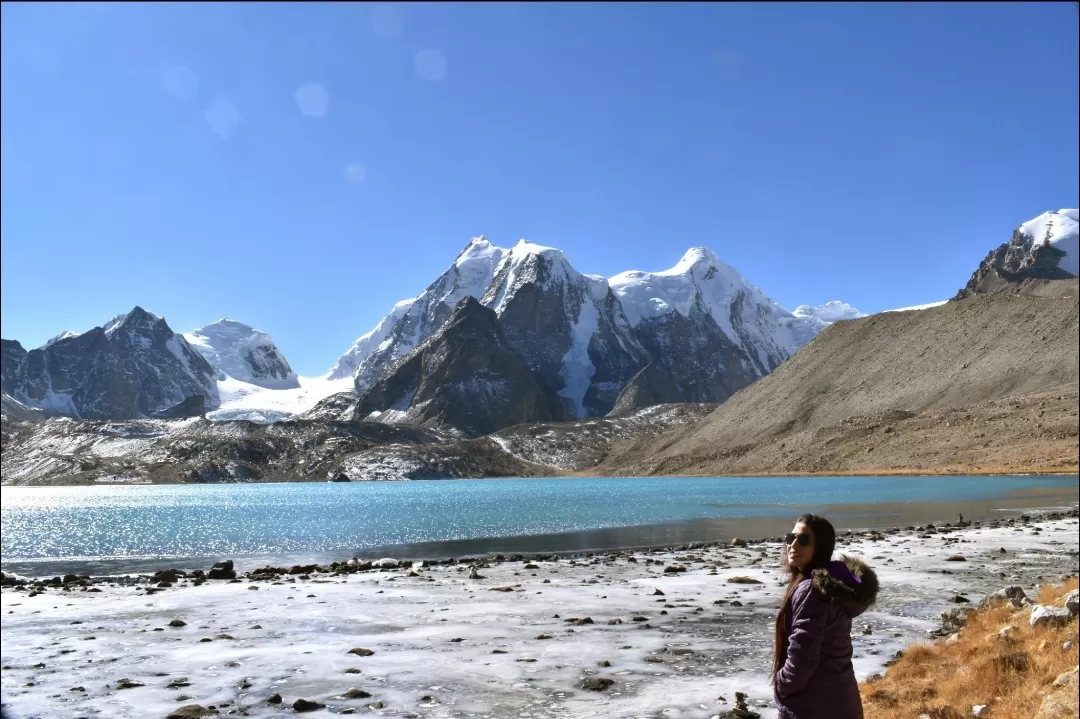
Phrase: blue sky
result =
(177, 156)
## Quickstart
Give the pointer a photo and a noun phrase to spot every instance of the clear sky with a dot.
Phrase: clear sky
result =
(301, 167)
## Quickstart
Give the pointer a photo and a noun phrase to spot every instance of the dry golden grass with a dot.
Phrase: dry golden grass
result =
(1011, 676)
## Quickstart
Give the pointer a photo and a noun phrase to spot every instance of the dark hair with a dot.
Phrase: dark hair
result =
(824, 544)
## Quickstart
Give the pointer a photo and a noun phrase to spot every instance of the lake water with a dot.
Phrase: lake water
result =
(131, 528)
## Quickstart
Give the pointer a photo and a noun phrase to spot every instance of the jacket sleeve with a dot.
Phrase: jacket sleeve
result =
(809, 612)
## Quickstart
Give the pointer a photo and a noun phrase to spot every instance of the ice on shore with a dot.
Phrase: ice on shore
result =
(448, 646)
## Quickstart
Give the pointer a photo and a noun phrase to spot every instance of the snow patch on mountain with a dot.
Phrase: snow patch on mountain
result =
(578, 369)
(927, 306)
(246, 401)
(1060, 230)
(62, 336)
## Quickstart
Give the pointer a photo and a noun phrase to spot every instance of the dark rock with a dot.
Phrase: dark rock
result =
(954, 619)
(596, 684)
(306, 705)
(274, 698)
(128, 684)
(192, 711)
(355, 693)
(361, 652)
(222, 570)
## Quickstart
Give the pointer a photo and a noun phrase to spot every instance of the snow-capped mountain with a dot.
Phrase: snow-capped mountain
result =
(465, 376)
(830, 312)
(701, 283)
(569, 328)
(695, 333)
(368, 343)
(413, 321)
(133, 366)
(708, 331)
(1046, 247)
(243, 353)
(811, 319)
(1059, 231)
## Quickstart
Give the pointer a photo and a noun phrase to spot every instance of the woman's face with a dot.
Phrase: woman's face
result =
(798, 553)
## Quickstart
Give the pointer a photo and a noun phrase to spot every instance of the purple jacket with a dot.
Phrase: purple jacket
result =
(817, 680)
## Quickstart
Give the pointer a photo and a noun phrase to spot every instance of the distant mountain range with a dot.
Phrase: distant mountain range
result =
(695, 333)
(459, 382)
(504, 336)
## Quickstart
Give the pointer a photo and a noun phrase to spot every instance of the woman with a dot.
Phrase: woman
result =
(812, 674)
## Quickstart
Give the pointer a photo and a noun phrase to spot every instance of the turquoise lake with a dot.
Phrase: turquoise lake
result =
(70, 525)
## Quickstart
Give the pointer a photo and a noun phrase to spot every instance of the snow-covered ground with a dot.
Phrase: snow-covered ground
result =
(445, 645)
(927, 306)
(242, 400)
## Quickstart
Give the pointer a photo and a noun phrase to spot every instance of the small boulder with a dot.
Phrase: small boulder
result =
(953, 619)
(597, 684)
(306, 705)
(743, 580)
(361, 652)
(1068, 678)
(128, 684)
(1072, 602)
(736, 542)
(192, 711)
(274, 698)
(222, 570)
(1012, 594)
(355, 693)
(1044, 616)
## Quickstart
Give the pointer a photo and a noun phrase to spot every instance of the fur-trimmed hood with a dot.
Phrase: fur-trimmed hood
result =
(849, 582)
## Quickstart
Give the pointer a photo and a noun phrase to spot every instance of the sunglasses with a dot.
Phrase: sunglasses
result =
(804, 539)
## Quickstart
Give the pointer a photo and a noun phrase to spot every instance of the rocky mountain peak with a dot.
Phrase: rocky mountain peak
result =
(133, 366)
(584, 337)
(137, 320)
(1045, 248)
(464, 376)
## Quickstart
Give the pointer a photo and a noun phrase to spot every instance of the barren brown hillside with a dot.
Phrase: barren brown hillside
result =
(988, 383)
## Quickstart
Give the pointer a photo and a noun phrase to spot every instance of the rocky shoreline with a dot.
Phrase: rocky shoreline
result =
(670, 632)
